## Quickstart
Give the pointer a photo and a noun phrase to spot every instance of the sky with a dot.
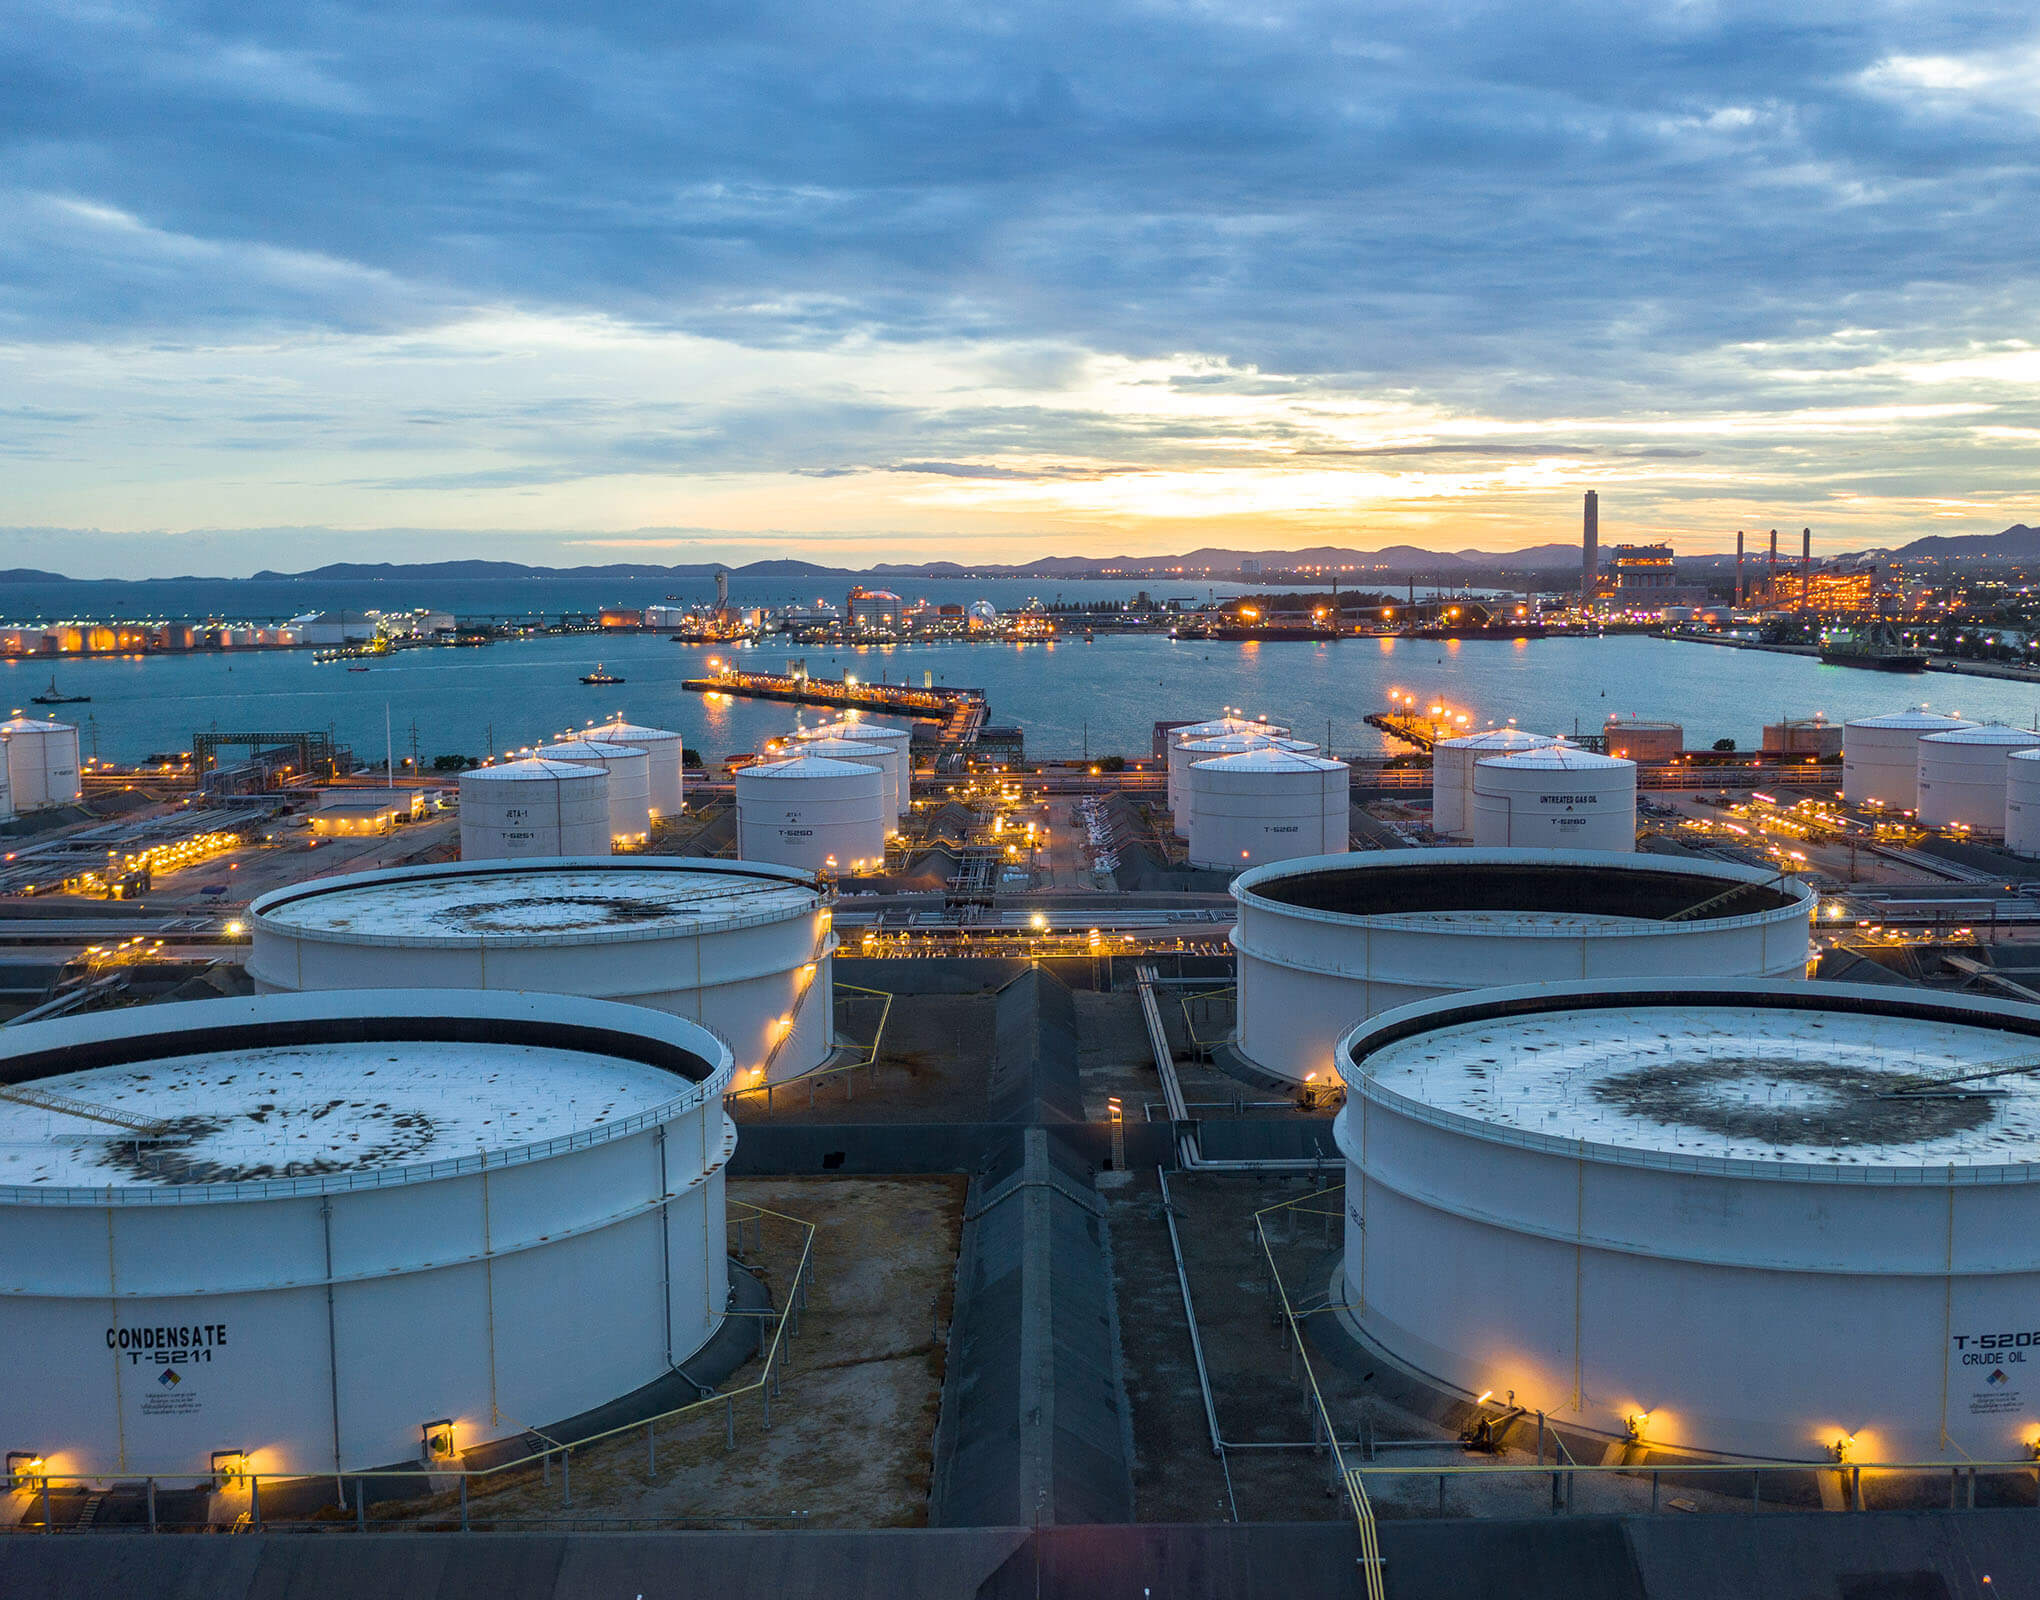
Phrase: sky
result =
(282, 285)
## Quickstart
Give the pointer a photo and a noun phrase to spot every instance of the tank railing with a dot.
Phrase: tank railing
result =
(441, 1505)
(844, 1070)
(1202, 1046)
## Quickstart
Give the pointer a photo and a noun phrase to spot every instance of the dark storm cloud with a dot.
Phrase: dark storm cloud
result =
(1536, 194)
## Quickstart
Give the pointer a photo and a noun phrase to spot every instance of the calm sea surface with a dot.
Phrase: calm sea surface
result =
(1070, 697)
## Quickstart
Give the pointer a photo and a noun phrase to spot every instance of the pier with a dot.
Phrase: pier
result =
(961, 712)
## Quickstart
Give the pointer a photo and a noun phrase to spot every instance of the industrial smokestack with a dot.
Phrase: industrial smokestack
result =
(1590, 546)
(1771, 576)
(1738, 568)
(1806, 569)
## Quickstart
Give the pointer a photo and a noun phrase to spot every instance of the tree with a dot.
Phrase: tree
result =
(1724, 745)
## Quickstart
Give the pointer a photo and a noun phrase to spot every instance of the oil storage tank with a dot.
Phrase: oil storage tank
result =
(304, 1227)
(2022, 802)
(42, 763)
(1452, 772)
(533, 808)
(1267, 805)
(824, 816)
(1318, 945)
(743, 948)
(665, 765)
(1785, 1221)
(1881, 756)
(1555, 799)
(1963, 774)
(860, 754)
(897, 742)
(1183, 754)
(630, 782)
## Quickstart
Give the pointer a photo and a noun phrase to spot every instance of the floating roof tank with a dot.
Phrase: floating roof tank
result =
(1267, 805)
(533, 808)
(825, 816)
(1555, 799)
(1881, 756)
(630, 782)
(320, 1222)
(1671, 1194)
(1321, 944)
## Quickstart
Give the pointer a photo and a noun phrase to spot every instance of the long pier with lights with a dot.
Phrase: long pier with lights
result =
(961, 712)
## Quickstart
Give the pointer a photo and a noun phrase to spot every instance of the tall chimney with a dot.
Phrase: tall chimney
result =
(1738, 569)
(1806, 569)
(1771, 577)
(1590, 546)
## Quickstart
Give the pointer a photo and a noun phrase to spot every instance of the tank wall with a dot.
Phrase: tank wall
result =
(504, 819)
(800, 823)
(2022, 807)
(42, 768)
(1710, 1302)
(1963, 783)
(1557, 811)
(1450, 790)
(1881, 764)
(1236, 822)
(435, 1286)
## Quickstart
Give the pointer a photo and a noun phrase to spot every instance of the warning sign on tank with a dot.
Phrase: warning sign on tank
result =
(1992, 1368)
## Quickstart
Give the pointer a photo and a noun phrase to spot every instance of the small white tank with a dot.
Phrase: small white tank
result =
(826, 816)
(1963, 774)
(1452, 773)
(42, 763)
(533, 808)
(858, 753)
(1267, 805)
(667, 760)
(2022, 802)
(630, 782)
(1881, 756)
(1644, 739)
(899, 742)
(1556, 799)
(1184, 754)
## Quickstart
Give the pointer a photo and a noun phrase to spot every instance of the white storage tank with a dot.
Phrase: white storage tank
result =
(825, 816)
(340, 1217)
(666, 760)
(1644, 739)
(1318, 945)
(630, 782)
(1183, 754)
(855, 751)
(1712, 1216)
(1452, 773)
(2022, 802)
(42, 763)
(1881, 756)
(743, 948)
(1267, 805)
(533, 808)
(1555, 799)
(1963, 773)
(898, 742)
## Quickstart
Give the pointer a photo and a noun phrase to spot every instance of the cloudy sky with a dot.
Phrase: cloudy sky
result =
(282, 284)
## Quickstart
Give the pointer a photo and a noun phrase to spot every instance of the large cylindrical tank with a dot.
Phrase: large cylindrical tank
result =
(533, 808)
(344, 1216)
(2022, 802)
(861, 754)
(1452, 773)
(1320, 944)
(1183, 754)
(1644, 739)
(1267, 805)
(742, 948)
(630, 782)
(1962, 776)
(897, 742)
(1714, 1216)
(666, 760)
(1555, 799)
(824, 816)
(42, 763)
(1881, 756)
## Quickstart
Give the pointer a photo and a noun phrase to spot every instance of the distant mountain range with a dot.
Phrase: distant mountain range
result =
(2018, 543)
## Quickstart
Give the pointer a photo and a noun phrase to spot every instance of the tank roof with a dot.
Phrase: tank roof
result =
(1223, 725)
(1811, 1076)
(1912, 717)
(1555, 758)
(1234, 743)
(1987, 733)
(569, 748)
(626, 731)
(1532, 891)
(823, 749)
(534, 767)
(32, 725)
(806, 767)
(1498, 739)
(1248, 761)
(851, 728)
(537, 902)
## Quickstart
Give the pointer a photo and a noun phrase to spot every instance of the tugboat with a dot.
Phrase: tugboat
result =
(599, 676)
(53, 696)
(1877, 648)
